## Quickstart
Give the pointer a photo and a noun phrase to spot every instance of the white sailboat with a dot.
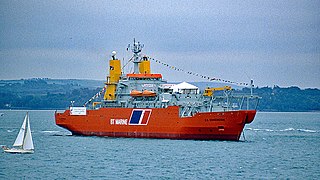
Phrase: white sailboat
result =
(23, 142)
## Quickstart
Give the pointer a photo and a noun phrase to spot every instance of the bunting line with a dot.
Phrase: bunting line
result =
(95, 96)
(197, 74)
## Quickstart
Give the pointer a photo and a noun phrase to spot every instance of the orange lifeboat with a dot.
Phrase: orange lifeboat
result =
(135, 93)
(148, 93)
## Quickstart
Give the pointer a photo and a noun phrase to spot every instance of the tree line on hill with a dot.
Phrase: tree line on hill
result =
(41, 94)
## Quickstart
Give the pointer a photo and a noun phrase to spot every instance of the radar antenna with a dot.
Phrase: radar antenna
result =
(136, 48)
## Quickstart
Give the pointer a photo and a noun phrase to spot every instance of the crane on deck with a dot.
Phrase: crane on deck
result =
(210, 91)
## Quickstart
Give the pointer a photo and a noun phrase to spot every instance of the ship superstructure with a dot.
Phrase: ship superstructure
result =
(141, 104)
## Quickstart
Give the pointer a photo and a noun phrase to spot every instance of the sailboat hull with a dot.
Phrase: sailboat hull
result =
(18, 151)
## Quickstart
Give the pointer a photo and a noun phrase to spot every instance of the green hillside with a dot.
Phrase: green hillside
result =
(43, 93)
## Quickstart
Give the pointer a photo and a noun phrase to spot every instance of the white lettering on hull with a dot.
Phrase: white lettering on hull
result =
(119, 121)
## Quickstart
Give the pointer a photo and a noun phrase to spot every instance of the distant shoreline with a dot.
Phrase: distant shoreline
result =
(22, 109)
(56, 94)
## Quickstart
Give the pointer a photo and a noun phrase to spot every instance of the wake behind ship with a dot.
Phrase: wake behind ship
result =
(143, 105)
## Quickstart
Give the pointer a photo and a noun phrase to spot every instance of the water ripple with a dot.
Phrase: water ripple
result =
(283, 130)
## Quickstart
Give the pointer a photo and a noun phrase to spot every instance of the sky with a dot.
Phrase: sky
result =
(271, 42)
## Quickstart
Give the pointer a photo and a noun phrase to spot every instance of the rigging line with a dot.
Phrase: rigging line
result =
(127, 63)
(95, 96)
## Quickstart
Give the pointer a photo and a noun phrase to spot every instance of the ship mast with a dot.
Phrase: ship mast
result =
(136, 49)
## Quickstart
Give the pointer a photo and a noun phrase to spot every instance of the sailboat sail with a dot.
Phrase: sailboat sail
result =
(28, 143)
(20, 137)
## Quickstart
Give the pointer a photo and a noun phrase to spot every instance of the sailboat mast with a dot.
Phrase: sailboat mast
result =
(25, 132)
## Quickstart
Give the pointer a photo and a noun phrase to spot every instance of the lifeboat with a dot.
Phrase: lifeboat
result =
(148, 93)
(135, 93)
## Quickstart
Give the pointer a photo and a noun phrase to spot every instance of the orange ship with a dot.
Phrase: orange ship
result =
(142, 105)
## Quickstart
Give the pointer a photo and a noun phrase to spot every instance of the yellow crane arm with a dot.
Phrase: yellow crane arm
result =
(209, 91)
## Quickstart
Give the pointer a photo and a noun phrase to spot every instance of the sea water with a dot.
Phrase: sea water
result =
(274, 146)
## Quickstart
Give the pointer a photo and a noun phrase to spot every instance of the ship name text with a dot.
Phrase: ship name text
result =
(119, 121)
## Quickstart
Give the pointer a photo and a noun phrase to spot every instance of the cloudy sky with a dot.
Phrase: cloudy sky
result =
(272, 42)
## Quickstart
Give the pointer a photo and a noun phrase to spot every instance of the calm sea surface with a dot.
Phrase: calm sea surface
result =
(276, 146)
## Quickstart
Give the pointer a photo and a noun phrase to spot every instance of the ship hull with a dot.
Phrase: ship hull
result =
(156, 123)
